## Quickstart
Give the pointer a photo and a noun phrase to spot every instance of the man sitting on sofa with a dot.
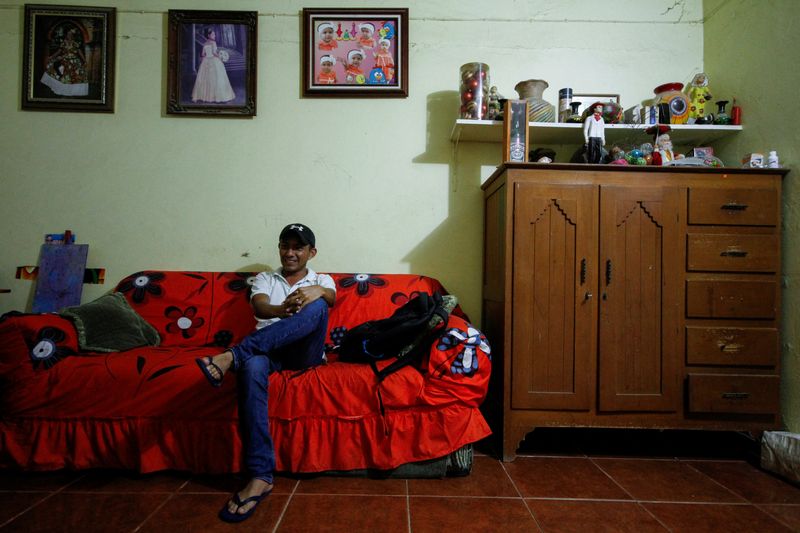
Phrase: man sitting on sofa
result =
(291, 306)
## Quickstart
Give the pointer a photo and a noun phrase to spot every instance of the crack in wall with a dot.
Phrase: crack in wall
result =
(678, 4)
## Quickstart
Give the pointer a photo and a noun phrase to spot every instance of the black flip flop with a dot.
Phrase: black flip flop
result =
(227, 516)
(204, 363)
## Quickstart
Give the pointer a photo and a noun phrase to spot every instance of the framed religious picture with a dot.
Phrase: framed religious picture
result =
(355, 52)
(68, 58)
(211, 62)
(515, 131)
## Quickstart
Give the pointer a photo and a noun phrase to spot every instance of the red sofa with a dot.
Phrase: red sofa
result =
(150, 408)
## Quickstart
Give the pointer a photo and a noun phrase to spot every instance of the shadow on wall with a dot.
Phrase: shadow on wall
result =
(452, 252)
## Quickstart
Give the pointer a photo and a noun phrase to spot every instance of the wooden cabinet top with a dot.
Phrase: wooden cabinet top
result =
(630, 174)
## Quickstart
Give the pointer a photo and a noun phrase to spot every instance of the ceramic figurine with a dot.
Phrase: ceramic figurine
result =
(663, 154)
(672, 103)
(494, 108)
(594, 134)
(698, 94)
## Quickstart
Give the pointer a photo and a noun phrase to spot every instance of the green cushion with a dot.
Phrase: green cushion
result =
(109, 324)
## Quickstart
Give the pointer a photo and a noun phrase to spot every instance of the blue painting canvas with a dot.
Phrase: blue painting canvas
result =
(61, 271)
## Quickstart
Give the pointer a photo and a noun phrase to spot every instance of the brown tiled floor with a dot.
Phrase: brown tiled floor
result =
(587, 481)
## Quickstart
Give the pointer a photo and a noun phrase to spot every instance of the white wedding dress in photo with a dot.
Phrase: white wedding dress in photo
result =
(212, 84)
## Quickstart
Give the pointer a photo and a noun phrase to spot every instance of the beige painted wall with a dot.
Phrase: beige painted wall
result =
(751, 53)
(378, 180)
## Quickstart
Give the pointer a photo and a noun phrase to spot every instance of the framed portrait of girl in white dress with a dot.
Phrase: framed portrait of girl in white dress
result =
(68, 58)
(212, 62)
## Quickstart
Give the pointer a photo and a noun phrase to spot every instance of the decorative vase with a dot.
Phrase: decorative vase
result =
(532, 90)
(474, 90)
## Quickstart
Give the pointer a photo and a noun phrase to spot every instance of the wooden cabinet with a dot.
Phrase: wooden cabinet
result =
(629, 297)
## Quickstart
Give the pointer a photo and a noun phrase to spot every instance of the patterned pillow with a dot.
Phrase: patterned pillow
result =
(108, 324)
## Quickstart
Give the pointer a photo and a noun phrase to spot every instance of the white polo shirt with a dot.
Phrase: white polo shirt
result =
(275, 286)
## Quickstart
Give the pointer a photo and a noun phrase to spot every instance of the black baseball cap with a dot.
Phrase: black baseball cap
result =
(299, 231)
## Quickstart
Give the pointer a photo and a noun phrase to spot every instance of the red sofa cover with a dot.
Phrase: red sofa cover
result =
(150, 408)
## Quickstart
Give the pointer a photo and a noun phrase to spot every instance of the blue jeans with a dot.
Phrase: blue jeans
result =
(295, 342)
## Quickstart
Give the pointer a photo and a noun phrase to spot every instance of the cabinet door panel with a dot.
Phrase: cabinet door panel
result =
(640, 251)
(554, 279)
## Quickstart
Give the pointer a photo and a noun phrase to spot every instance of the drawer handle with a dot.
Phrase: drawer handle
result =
(733, 206)
(583, 271)
(733, 252)
(730, 348)
(735, 395)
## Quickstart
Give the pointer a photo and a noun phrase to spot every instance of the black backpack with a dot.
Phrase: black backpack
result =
(407, 335)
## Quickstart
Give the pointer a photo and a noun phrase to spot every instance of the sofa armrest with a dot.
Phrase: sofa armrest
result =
(459, 365)
(30, 345)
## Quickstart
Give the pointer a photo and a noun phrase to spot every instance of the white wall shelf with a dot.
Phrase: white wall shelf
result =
(552, 133)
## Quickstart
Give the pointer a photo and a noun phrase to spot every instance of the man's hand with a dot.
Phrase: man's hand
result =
(302, 297)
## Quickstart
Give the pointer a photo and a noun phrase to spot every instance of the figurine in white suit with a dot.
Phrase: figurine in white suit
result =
(594, 135)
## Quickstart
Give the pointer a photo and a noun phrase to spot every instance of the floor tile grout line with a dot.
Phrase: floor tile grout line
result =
(609, 476)
(513, 484)
(408, 506)
(718, 483)
(286, 506)
(684, 502)
(626, 491)
(766, 511)
(50, 495)
(162, 505)
(126, 492)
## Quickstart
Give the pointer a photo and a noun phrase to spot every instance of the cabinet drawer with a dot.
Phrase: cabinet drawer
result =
(743, 207)
(730, 299)
(734, 393)
(732, 253)
(731, 346)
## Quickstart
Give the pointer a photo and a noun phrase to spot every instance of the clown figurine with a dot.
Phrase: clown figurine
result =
(698, 94)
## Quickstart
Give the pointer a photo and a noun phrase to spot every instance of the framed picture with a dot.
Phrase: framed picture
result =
(212, 62)
(355, 52)
(515, 131)
(68, 58)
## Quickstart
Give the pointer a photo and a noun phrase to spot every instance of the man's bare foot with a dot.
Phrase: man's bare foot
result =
(215, 367)
(256, 487)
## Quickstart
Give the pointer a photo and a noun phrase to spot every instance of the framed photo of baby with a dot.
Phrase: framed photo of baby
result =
(68, 58)
(212, 62)
(355, 52)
